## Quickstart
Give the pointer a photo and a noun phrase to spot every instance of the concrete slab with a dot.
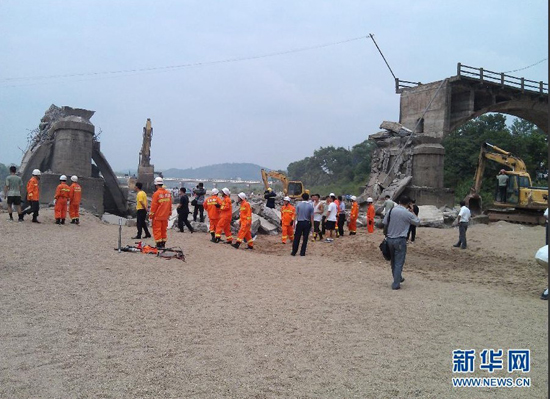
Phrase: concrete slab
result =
(430, 216)
(267, 227)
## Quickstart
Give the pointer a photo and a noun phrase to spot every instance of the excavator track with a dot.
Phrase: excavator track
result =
(516, 216)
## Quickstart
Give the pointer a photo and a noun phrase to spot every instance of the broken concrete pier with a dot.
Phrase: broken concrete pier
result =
(65, 143)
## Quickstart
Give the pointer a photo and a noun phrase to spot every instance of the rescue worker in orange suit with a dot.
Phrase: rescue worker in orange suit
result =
(226, 213)
(61, 197)
(161, 209)
(288, 214)
(212, 206)
(246, 223)
(33, 195)
(370, 215)
(354, 213)
(75, 195)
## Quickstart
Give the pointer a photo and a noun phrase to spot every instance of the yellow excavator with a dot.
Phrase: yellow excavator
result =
(523, 203)
(293, 189)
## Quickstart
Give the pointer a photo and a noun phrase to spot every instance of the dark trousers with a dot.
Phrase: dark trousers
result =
(198, 208)
(462, 227)
(323, 230)
(501, 193)
(141, 222)
(317, 229)
(182, 219)
(302, 231)
(341, 222)
(34, 207)
(398, 251)
(412, 232)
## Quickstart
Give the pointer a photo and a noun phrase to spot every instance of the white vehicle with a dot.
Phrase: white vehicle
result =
(542, 259)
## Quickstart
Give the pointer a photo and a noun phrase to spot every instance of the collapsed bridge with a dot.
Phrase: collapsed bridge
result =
(409, 157)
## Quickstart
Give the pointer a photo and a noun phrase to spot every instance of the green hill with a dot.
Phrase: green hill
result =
(244, 171)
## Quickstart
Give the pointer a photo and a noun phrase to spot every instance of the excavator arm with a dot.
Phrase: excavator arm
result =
(496, 154)
(275, 175)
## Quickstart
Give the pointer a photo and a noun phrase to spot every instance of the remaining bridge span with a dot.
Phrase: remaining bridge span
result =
(411, 160)
(469, 94)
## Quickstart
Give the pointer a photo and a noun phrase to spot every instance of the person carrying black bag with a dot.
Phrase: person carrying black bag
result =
(396, 235)
(198, 202)
(183, 211)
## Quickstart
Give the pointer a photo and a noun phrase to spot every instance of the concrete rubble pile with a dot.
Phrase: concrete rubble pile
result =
(406, 163)
(264, 220)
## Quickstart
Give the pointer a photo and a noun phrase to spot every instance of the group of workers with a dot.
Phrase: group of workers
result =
(220, 213)
(64, 195)
(328, 216)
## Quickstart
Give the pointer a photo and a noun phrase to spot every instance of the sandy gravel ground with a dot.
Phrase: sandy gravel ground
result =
(79, 320)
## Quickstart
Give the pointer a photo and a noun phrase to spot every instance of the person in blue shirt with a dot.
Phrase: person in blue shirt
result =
(303, 222)
(396, 227)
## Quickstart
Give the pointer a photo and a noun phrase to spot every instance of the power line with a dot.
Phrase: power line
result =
(527, 67)
(380, 51)
(173, 67)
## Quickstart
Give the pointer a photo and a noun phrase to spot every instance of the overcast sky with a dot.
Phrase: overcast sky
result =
(270, 111)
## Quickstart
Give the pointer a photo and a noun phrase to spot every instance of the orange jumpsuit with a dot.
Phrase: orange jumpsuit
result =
(224, 224)
(213, 211)
(33, 192)
(161, 209)
(246, 224)
(75, 195)
(288, 212)
(370, 218)
(354, 213)
(61, 197)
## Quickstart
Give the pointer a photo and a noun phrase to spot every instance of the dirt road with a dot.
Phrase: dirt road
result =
(81, 320)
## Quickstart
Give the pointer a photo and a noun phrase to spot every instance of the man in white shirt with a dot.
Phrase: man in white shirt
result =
(463, 220)
(330, 224)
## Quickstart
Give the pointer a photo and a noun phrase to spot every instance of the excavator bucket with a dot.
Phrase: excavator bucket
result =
(474, 203)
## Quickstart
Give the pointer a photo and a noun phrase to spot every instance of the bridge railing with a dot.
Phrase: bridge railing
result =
(404, 84)
(499, 78)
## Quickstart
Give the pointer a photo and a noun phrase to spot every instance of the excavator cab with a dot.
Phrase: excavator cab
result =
(512, 191)
(295, 189)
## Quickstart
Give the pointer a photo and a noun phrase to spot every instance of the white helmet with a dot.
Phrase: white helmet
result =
(353, 198)
(36, 172)
(158, 180)
(369, 199)
(332, 195)
(286, 199)
(215, 191)
(226, 191)
(74, 178)
(63, 178)
(242, 196)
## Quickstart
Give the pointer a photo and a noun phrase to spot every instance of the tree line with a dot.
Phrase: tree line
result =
(462, 147)
(335, 169)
